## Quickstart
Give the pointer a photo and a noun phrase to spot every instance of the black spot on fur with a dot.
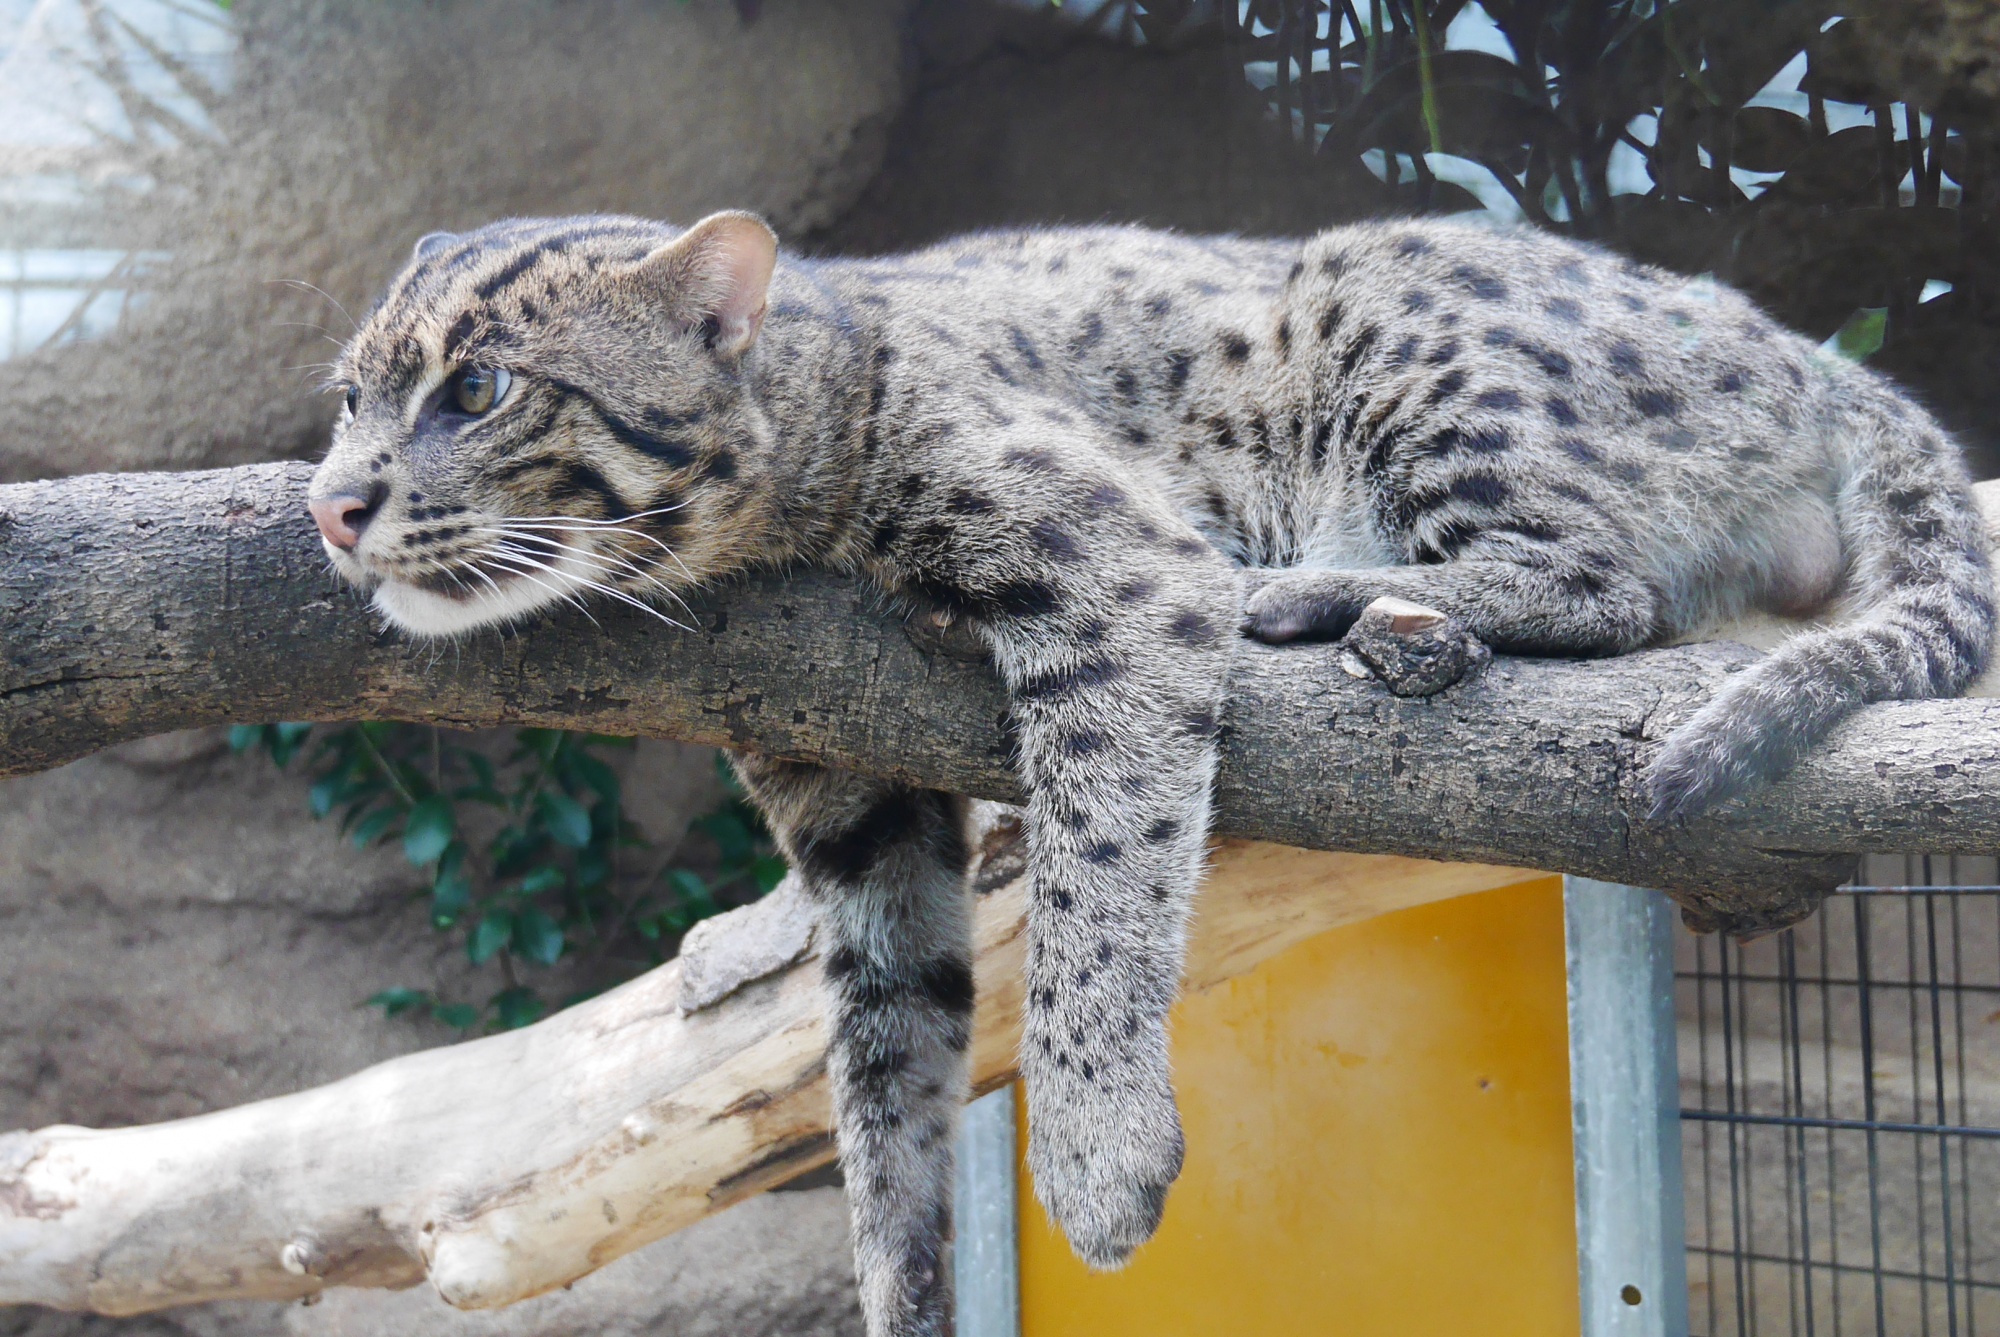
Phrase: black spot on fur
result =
(1125, 384)
(1104, 497)
(1158, 306)
(1445, 387)
(1357, 350)
(1578, 449)
(1480, 284)
(1061, 682)
(1235, 347)
(1500, 336)
(1223, 433)
(488, 288)
(1561, 412)
(1329, 320)
(1134, 591)
(1285, 337)
(1442, 355)
(1632, 301)
(1084, 743)
(1192, 627)
(847, 856)
(964, 501)
(1416, 300)
(1179, 363)
(1732, 381)
(674, 452)
(1034, 461)
(719, 467)
(1200, 724)
(1322, 438)
(1412, 245)
(996, 368)
(1625, 359)
(1091, 332)
(1404, 353)
(1103, 852)
(1298, 268)
(1552, 363)
(1478, 440)
(1480, 488)
(1653, 402)
(1564, 309)
(1031, 356)
(1500, 400)
(1260, 436)
(947, 986)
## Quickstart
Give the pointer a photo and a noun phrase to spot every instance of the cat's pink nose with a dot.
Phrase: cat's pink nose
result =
(341, 519)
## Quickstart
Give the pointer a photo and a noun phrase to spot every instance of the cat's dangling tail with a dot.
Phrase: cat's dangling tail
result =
(886, 865)
(1917, 603)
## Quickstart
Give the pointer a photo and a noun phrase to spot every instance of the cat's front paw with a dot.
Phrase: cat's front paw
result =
(1102, 1169)
(1316, 605)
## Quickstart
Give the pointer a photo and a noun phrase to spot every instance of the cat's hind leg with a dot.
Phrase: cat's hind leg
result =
(886, 865)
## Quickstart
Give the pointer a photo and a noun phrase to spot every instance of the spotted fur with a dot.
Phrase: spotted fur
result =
(1078, 441)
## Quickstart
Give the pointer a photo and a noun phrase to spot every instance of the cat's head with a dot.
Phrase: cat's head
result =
(545, 409)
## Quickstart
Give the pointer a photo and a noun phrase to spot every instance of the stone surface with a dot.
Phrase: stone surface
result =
(316, 140)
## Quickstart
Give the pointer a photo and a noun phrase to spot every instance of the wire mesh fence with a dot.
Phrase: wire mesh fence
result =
(1840, 1091)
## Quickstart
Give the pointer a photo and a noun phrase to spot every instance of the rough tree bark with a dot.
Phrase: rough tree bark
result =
(139, 603)
(505, 1167)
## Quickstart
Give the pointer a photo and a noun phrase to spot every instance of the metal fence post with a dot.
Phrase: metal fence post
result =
(986, 1258)
(1625, 1111)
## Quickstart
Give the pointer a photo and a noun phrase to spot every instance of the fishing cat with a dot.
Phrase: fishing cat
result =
(1081, 442)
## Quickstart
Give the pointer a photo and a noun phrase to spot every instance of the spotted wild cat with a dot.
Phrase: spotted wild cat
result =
(1077, 440)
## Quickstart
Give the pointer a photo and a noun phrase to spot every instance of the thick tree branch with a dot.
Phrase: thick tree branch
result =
(505, 1167)
(135, 604)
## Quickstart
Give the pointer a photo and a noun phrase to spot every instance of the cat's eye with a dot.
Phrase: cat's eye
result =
(475, 390)
(353, 399)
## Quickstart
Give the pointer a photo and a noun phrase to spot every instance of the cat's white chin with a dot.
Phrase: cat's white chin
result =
(422, 613)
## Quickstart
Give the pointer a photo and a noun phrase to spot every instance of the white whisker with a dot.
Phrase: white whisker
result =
(506, 552)
(607, 563)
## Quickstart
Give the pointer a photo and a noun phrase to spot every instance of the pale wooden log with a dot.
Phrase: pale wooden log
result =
(507, 1166)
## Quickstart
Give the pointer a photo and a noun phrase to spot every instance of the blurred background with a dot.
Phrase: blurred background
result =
(194, 196)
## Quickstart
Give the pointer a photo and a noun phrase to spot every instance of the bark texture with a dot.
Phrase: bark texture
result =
(141, 603)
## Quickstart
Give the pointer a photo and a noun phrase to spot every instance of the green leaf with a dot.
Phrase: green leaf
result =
(689, 888)
(458, 1016)
(518, 1007)
(1861, 337)
(243, 737)
(768, 871)
(395, 1002)
(542, 879)
(286, 739)
(430, 828)
(374, 826)
(601, 779)
(537, 937)
(568, 821)
(495, 928)
(450, 894)
(731, 834)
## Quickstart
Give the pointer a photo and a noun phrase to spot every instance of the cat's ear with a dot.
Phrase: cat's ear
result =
(719, 271)
(430, 244)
